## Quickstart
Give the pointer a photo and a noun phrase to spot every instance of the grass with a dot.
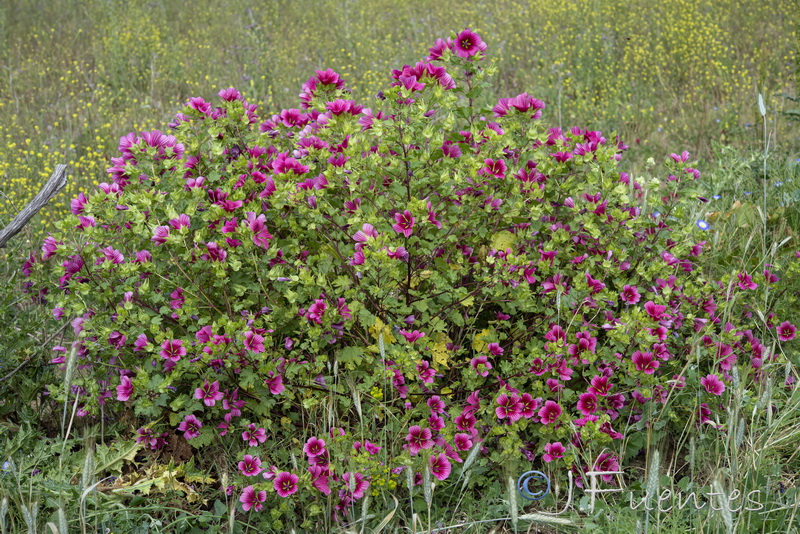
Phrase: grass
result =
(667, 76)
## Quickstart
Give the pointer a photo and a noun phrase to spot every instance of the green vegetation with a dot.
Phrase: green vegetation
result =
(93, 438)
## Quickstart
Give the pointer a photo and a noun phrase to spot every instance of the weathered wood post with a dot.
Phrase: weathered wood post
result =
(55, 184)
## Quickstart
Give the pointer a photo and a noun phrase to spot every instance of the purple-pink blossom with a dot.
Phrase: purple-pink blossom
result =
(713, 384)
(285, 484)
(190, 426)
(252, 499)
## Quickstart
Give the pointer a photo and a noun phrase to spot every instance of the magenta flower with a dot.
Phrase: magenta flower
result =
(250, 466)
(285, 484)
(367, 231)
(509, 406)
(190, 426)
(418, 438)
(436, 404)
(463, 442)
(439, 48)
(553, 451)
(252, 499)
(495, 349)
(209, 393)
(426, 372)
(404, 223)
(253, 341)
(182, 221)
(481, 365)
(549, 412)
(645, 362)
(316, 311)
(172, 350)
(440, 466)
(562, 157)
(275, 384)
(746, 281)
(786, 331)
(113, 255)
(451, 150)
(254, 435)
(411, 337)
(160, 235)
(124, 389)
(656, 311)
(319, 478)
(356, 484)
(587, 403)
(466, 44)
(529, 405)
(600, 386)
(314, 447)
(494, 168)
(606, 462)
(713, 384)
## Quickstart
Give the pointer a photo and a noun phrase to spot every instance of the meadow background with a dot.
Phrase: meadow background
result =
(666, 76)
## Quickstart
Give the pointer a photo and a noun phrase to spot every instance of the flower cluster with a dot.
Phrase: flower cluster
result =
(469, 281)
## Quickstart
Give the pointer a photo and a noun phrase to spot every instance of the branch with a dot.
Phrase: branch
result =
(55, 184)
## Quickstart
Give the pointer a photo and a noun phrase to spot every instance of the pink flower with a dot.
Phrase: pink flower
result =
(656, 311)
(124, 389)
(160, 235)
(172, 350)
(426, 373)
(411, 337)
(181, 221)
(319, 478)
(440, 466)
(209, 393)
(140, 343)
(587, 403)
(314, 447)
(645, 362)
(553, 451)
(251, 499)
(316, 310)
(746, 281)
(250, 466)
(436, 404)
(439, 48)
(549, 412)
(275, 384)
(529, 405)
(467, 44)
(630, 294)
(253, 436)
(463, 442)
(253, 342)
(190, 426)
(786, 331)
(606, 462)
(356, 484)
(404, 223)
(713, 384)
(600, 386)
(481, 365)
(497, 169)
(495, 349)
(562, 157)
(285, 484)
(113, 255)
(418, 438)
(509, 406)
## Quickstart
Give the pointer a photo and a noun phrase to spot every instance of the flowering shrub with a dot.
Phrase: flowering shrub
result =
(369, 298)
